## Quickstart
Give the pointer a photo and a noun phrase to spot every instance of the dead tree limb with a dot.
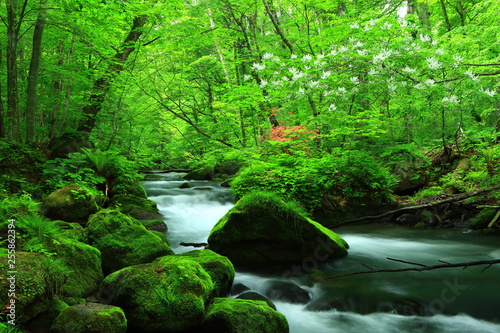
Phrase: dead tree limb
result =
(193, 244)
(422, 268)
(412, 208)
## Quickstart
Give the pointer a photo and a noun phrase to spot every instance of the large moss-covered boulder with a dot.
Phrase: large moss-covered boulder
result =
(123, 241)
(242, 316)
(137, 207)
(31, 285)
(262, 228)
(171, 296)
(72, 203)
(482, 219)
(90, 317)
(220, 269)
(83, 264)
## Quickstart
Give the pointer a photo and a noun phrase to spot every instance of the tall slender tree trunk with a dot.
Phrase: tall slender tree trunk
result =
(268, 4)
(33, 73)
(103, 84)
(445, 15)
(14, 19)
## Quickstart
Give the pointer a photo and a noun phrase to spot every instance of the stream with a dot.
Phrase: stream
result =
(443, 300)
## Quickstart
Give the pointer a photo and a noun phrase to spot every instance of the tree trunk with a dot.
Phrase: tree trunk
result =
(14, 20)
(33, 74)
(103, 84)
(445, 15)
(274, 19)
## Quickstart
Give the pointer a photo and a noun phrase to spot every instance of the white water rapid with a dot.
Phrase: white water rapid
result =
(446, 300)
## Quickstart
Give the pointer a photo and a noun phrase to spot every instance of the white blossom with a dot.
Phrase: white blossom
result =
(332, 107)
(313, 84)
(419, 86)
(386, 25)
(285, 78)
(433, 63)
(440, 51)
(373, 71)
(258, 67)
(333, 52)
(263, 83)
(301, 91)
(451, 99)
(307, 67)
(425, 38)
(326, 75)
(267, 56)
(403, 23)
(293, 56)
(409, 70)
(342, 90)
(489, 92)
(392, 87)
(343, 49)
(430, 82)
(362, 52)
(379, 58)
(307, 57)
(471, 74)
(320, 56)
(358, 44)
(246, 77)
(276, 83)
(355, 80)
(327, 93)
(355, 25)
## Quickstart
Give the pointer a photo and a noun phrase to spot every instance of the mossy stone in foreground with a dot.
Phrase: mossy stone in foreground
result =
(262, 228)
(160, 297)
(123, 241)
(32, 285)
(242, 316)
(90, 317)
(482, 219)
(220, 269)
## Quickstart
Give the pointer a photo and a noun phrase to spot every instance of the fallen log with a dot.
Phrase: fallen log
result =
(454, 198)
(193, 244)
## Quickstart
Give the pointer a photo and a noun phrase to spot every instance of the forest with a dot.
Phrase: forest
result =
(350, 113)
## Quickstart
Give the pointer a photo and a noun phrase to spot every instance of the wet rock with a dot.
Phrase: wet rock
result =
(407, 220)
(263, 229)
(238, 288)
(170, 296)
(72, 203)
(123, 241)
(156, 225)
(137, 207)
(287, 292)
(482, 219)
(255, 296)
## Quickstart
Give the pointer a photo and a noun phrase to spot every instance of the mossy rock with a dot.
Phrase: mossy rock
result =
(72, 203)
(123, 241)
(199, 174)
(482, 219)
(242, 316)
(160, 297)
(255, 296)
(32, 284)
(72, 230)
(220, 269)
(137, 207)
(90, 317)
(261, 228)
(156, 225)
(84, 264)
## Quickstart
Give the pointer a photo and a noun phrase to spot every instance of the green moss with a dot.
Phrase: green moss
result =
(262, 228)
(90, 317)
(73, 203)
(242, 316)
(84, 264)
(482, 219)
(135, 206)
(169, 296)
(32, 286)
(157, 225)
(123, 241)
(220, 269)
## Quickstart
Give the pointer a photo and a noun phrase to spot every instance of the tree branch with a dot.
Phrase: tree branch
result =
(421, 269)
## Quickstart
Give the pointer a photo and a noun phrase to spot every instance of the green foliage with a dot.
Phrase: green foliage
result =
(223, 161)
(428, 192)
(352, 177)
(17, 206)
(8, 328)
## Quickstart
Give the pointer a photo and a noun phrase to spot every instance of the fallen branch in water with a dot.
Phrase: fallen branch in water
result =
(411, 208)
(421, 267)
(193, 244)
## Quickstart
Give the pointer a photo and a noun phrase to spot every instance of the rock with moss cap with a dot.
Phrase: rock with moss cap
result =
(242, 316)
(170, 296)
(137, 207)
(90, 317)
(123, 241)
(220, 269)
(72, 203)
(261, 228)
(83, 263)
(33, 284)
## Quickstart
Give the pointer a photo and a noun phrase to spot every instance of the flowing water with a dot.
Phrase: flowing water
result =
(443, 300)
